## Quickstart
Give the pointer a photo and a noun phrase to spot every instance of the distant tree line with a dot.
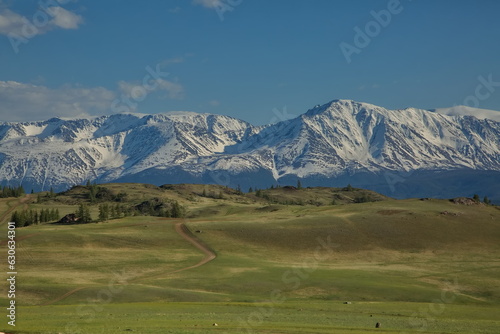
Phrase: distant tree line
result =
(34, 217)
(109, 211)
(8, 191)
(154, 207)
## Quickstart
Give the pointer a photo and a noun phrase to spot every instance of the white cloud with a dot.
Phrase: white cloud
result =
(42, 20)
(10, 22)
(208, 3)
(469, 111)
(28, 102)
(174, 90)
(64, 19)
(139, 91)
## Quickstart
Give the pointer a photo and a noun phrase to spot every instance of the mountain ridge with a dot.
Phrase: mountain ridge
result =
(336, 143)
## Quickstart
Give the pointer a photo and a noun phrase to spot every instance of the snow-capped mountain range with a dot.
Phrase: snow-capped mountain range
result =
(402, 153)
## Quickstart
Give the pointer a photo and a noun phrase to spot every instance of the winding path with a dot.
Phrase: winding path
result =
(184, 232)
(20, 202)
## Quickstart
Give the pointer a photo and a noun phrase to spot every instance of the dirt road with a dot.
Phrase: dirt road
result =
(20, 202)
(184, 232)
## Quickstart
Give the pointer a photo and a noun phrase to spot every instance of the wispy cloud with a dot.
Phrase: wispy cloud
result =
(175, 10)
(64, 19)
(208, 3)
(170, 89)
(10, 22)
(469, 111)
(31, 102)
(170, 61)
(28, 102)
(220, 6)
(173, 89)
(14, 24)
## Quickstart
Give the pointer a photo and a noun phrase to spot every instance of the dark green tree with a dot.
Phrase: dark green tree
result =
(177, 210)
(103, 212)
(83, 213)
(476, 198)
(117, 212)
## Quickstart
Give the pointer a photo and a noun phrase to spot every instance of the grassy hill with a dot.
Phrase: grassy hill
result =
(418, 266)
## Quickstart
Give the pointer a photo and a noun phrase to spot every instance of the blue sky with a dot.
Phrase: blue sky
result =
(257, 60)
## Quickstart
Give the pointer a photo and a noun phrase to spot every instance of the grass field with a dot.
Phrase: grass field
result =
(415, 266)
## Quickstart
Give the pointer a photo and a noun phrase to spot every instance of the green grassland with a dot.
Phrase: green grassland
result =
(288, 261)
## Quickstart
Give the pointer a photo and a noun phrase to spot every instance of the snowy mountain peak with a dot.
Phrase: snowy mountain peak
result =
(342, 138)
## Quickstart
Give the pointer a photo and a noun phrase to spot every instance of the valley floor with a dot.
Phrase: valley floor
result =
(413, 266)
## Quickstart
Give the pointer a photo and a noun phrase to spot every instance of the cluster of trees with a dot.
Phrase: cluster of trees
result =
(486, 200)
(212, 194)
(34, 217)
(155, 207)
(158, 207)
(50, 194)
(8, 191)
(364, 198)
(258, 191)
(103, 194)
(83, 213)
(109, 211)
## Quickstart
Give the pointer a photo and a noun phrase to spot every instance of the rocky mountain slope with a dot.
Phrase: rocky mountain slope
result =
(401, 153)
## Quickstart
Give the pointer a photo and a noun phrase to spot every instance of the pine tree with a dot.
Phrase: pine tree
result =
(87, 217)
(83, 213)
(92, 194)
(118, 212)
(15, 218)
(250, 190)
(177, 210)
(80, 212)
(476, 198)
(103, 212)
(299, 184)
(486, 200)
